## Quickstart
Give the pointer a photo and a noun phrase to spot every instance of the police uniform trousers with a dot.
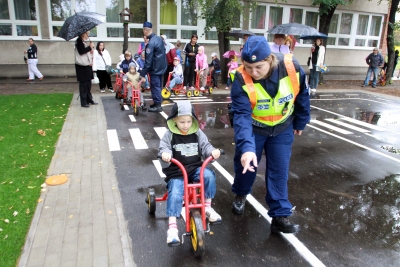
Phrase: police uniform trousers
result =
(278, 150)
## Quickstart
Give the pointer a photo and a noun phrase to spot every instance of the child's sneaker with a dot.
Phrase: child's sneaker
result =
(173, 237)
(111, 90)
(202, 88)
(212, 215)
(102, 90)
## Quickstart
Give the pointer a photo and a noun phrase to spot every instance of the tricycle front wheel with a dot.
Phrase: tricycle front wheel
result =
(197, 233)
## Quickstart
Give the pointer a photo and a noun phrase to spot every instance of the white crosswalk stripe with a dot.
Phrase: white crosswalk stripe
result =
(326, 125)
(355, 128)
(137, 138)
(113, 142)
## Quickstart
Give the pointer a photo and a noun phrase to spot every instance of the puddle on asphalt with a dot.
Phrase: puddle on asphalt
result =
(391, 149)
(369, 212)
(379, 118)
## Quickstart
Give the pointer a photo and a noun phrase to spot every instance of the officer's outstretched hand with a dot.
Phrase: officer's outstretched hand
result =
(246, 159)
(298, 132)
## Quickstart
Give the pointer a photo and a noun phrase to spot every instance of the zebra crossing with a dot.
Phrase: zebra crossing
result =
(343, 125)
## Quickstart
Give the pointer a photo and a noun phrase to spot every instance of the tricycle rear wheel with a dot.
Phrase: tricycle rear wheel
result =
(151, 201)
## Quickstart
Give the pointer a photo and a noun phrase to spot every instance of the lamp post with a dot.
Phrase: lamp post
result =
(126, 17)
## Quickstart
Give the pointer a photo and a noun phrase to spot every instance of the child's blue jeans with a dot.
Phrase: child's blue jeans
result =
(174, 81)
(175, 190)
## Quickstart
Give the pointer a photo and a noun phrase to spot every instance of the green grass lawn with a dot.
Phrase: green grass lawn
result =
(25, 156)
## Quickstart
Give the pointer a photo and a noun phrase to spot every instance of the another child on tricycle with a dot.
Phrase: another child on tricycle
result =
(133, 77)
(177, 74)
(185, 142)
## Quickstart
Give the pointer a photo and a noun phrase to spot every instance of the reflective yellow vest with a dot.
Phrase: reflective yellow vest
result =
(267, 110)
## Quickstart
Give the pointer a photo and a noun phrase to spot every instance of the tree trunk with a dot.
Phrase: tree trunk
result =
(390, 40)
(226, 46)
(126, 33)
(324, 22)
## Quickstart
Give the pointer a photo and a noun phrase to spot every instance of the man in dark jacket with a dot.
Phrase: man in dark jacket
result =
(374, 61)
(155, 64)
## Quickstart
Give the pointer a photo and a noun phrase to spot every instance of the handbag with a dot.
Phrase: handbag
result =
(95, 79)
(82, 60)
(109, 69)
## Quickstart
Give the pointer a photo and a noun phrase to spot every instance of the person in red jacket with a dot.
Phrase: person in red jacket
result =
(170, 52)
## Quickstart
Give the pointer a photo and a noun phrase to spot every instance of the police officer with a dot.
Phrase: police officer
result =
(155, 64)
(270, 104)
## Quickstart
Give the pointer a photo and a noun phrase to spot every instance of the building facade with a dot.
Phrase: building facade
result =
(353, 32)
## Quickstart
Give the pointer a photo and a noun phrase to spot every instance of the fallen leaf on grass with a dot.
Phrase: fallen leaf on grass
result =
(41, 132)
(40, 200)
(31, 187)
(6, 237)
(23, 120)
(7, 221)
(27, 211)
(15, 213)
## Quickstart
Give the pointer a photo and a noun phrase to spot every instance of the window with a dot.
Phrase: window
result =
(258, 17)
(375, 26)
(179, 19)
(19, 18)
(275, 18)
(362, 25)
(113, 28)
(345, 23)
(296, 15)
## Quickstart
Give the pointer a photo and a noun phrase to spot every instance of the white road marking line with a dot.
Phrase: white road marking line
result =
(367, 125)
(299, 246)
(196, 100)
(326, 95)
(351, 94)
(337, 129)
(185, 97)
(164, 114)
(160, 131)
(157, 164)
(132, 118)
(354, 143)
(374, 136)
(351, 98)
(194, 103)
(137, 138)
(355, 128)
(126, 107)
(113, 143)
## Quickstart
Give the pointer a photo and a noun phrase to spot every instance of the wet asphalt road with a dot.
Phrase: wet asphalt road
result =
(344, 184)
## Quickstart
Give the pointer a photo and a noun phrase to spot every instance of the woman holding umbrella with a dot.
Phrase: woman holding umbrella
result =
(84, 71)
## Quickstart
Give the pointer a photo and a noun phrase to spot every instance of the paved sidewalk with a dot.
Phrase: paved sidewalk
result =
(81, 222)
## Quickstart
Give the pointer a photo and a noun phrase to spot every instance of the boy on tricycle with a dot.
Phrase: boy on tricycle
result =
(185, 142)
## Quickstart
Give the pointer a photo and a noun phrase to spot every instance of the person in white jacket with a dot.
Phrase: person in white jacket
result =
(101, 58)
(316, 63)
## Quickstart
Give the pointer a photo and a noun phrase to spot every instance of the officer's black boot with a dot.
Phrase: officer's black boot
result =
(282, 224)
(238, 204)
(156, 108)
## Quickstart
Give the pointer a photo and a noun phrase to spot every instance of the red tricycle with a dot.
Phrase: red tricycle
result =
(178, 89)
(194, 203)
(118, 86)
(133, 101)
(209, 83)
(142, 89)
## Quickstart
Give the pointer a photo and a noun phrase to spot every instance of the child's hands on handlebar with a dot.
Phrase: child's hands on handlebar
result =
(166, 156)
(216, 153)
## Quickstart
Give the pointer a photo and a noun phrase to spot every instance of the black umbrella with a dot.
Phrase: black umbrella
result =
(294, 29)
(240, 33)
(312, 37)
(80, 23)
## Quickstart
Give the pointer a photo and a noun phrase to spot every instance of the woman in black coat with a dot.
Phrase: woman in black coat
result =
(190, 51)
(84, 74)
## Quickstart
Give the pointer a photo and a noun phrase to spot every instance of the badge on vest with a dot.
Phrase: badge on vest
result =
(262, 107)
(285, 99)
